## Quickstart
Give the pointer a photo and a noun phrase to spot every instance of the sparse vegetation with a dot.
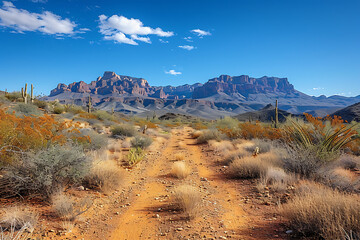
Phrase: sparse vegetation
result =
(323, 212)
(47, 171)
(22, 109)
(135, 155)
(208, 135)
(142, 142)
(123, 130)
(247, 167)
(67, 208)
(104, 176)
(188, 199)
(180, 170)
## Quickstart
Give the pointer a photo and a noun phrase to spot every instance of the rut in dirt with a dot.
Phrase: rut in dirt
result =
(150, 215)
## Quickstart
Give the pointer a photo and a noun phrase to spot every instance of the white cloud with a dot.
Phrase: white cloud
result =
(200, 33)
(163, 41)
(22, 20)
(187, 47)
(318, 88)
(189, 39)
(118, 27)
(173, 72)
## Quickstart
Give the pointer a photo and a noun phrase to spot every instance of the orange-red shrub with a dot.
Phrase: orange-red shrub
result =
(20, 134)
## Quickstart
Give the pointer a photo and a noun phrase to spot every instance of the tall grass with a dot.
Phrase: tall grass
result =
(323, 212)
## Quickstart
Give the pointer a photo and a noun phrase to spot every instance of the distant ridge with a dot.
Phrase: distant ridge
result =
(266, 114)
(218, 97)
(350, 113)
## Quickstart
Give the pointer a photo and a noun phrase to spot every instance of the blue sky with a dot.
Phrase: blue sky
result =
(315, 44)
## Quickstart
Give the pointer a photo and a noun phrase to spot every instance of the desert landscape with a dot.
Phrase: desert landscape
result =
(171, 120)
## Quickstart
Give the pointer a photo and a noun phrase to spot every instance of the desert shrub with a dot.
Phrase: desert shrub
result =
(135, 155)
(180, 170)
(104, 176)
(196, 134)
(263, 145)
(21, 134)
(324, 213)
(142, 142)
(123, 130)
(3, 99)
(67, 208)
(48, 170)
(59, 109)
(40, 104)
(247, 167)
(302, 161)
(277, 179)
(207, 135)
(17, 219)
(324, 139)
(14, 96)
(249, 130)
(188, 199)
(222, 146)
(348, 161)
(230, 157)
(96, 141)
(339, 178)
(26, 109)
(103, 115)
(74, 109)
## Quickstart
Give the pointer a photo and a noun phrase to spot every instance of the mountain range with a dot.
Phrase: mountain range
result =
(225, 95)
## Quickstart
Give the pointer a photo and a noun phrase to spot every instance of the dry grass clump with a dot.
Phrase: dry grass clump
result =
(142, 142)
(247, 167)
(222, 146)
(231, 156)
(17, 219)
(188, 199)
(123, 130)
(340, 178)
(263, 145)
(210, 134)
(277, 179)
(105, 176)
(180, 170)
(321, 212)
(196, 134)
(347, 161)
(179, 156)
(68, 209)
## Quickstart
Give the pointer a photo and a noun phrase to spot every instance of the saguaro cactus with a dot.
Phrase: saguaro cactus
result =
(32, 94)
(276, 114)
(89, 105)
(24, 93)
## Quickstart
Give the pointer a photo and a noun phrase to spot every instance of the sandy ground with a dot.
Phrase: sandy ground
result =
(144, 210)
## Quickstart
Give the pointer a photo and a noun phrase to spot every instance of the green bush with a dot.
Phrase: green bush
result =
(208, 135)
(97, 141)
(26, 109)
(41, 104)
(48, 171)
(13, 96)
(123, 130)
(59, 109)
(142, 142)
(103, 115)
(135, 155)
(75, 109)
